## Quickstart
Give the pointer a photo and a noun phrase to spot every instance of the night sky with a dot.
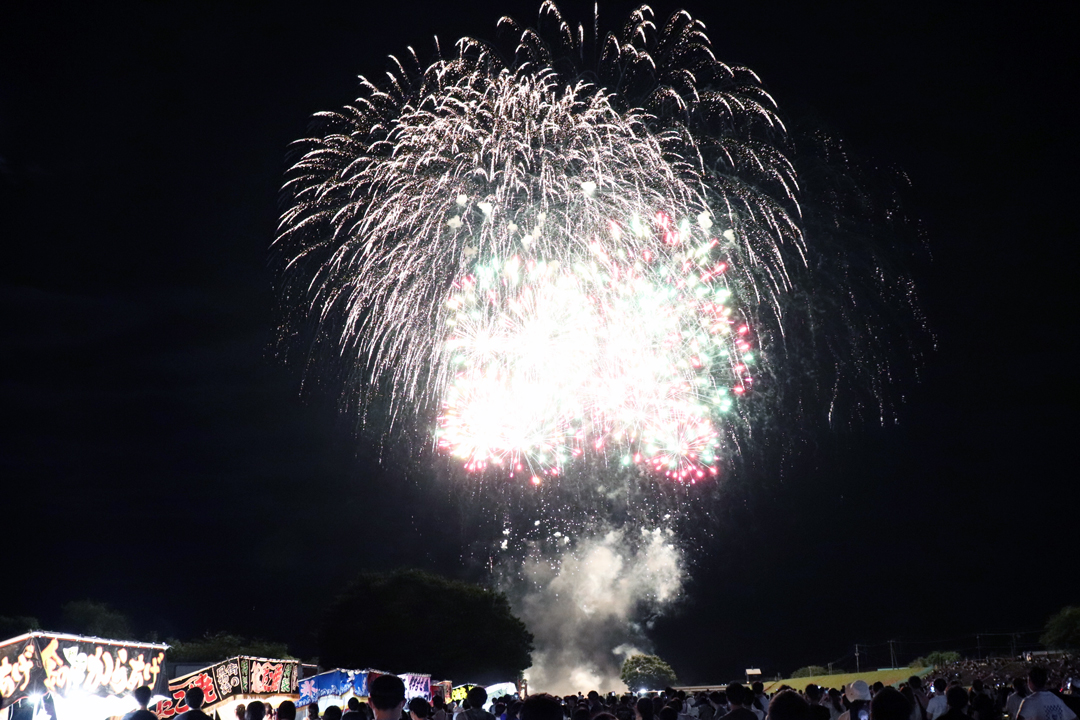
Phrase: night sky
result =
(157, 456)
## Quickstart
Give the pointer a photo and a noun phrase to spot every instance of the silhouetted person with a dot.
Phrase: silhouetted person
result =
(334, 713)
(355, 712)
(418, 709)
(255, 711)
(477, 697)
(788, 705)
(761, 700)
(816, 709)
(738, 698)
(286, 710)
(890, 704)
(1012, 704)
(142, 695)
(194, 698)
(956, 698)
(643, 710)
(919, 695)
(1042, 704)
(387, 697)
(543, 707)
(857, 695)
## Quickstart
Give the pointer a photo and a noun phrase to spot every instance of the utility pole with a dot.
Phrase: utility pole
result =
(892, 654)
(857, 658)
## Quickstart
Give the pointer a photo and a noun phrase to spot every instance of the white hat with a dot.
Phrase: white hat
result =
(857, 690)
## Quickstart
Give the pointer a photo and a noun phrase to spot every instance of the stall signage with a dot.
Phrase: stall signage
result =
(235, 676)
(61, 665)
(334, 683)
(417, 686)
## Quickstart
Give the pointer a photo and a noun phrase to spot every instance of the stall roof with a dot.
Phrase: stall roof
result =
(82, 638)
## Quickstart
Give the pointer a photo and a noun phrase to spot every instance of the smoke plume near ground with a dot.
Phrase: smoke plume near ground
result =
(588, 602)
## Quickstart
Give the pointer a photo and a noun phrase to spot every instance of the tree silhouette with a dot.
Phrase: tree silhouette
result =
(413, 621)
(647, 671)
(1063, 629)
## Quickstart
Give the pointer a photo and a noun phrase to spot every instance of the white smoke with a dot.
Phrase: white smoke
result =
(585, 606)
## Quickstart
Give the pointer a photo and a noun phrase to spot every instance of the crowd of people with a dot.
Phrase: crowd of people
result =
(997, 693)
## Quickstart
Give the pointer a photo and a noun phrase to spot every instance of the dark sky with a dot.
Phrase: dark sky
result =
(157, 457)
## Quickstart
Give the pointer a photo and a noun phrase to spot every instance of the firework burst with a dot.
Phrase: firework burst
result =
(636, 357)
(525, 254)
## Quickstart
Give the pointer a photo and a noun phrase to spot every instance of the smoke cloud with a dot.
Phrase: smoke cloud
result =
(586, 604)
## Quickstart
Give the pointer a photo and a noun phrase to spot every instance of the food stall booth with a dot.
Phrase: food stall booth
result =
(337, 687)
(72, 677)
(238, 680)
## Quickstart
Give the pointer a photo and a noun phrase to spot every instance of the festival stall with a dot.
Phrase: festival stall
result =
(335, 687)
(417, 686)
(459, 692)
(233, 682)
(71, 677)
(441, 688)
(501, 690)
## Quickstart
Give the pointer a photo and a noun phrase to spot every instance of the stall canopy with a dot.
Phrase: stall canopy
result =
(240, 675)
(333, 683)
(417, 686)
(77, 676)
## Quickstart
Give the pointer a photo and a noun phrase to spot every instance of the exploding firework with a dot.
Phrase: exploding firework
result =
(634, 356)
(526, 255)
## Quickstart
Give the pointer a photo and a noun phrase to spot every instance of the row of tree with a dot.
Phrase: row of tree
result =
(412, 619)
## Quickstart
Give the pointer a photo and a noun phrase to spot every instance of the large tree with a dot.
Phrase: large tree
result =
(413, 621)
(87, 617)
(648, 672)
(1062, 630)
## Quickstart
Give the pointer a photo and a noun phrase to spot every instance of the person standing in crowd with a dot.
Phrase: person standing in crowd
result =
(440, 708)
(936, 705)
(313, 711)
(788, 705)
(815, 708)
(704, 707)
(387, 696)
(241, 711)
(418, 709)
(286, 710)
(142, 695)
(738, 698)
(761, 700)
(890, 704)
(477, 698)
(1042, 704)
(915, 683)
(1012, 703)
(194, 699)
(355, 712)
(643, 710)
(255, 711)
(858, 697)
(956, 698)
(832, 701)
(542, 707)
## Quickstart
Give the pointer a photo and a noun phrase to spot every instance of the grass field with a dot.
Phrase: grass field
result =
(887, 677)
